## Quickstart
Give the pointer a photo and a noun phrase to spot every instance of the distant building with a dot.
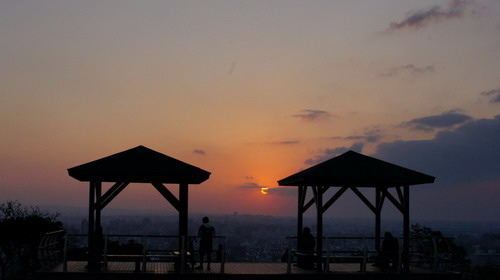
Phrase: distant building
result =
(485, 257)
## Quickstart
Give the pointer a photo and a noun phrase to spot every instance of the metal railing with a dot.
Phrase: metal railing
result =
(50, 249)
(423, 251)
(148, 253)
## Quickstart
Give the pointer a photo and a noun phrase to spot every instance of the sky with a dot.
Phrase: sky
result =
(253, 91)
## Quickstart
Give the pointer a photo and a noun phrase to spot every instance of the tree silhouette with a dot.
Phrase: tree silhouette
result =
(21, 229)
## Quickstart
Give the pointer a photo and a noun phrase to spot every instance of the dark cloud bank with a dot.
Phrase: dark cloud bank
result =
(446, 120)
(466, 164)
(468, 154)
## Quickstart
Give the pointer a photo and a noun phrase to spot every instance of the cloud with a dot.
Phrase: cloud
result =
(200, 152)
(283, 191)
(467, 155)
(313, 115)
(327, 154)
(290, 142)
(419, 19)
(445, 120)
(370, 135)
(250, 185)
(409, 68)
(494, 93)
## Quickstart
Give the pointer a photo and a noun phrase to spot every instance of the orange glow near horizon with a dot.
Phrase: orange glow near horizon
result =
(264, 190)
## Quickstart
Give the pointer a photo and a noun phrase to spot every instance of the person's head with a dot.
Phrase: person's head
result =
(306, 230)
(205, 220)
(388, 235)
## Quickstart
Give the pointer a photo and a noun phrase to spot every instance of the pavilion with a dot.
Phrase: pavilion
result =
(136, 165)
(353, 171)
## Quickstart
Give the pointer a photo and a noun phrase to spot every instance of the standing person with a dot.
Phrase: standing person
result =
(206, 232)
(390, 252)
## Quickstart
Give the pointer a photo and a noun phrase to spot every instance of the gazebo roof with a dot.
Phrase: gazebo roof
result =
(139, 165)
(354, 169)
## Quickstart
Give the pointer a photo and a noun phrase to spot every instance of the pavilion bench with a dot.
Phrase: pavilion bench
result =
(362, 259)
(175, 256)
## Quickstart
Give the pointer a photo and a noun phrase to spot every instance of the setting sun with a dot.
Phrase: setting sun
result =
(264, 190)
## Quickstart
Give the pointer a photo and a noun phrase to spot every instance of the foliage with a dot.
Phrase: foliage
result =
(21, 229)
(437, 249)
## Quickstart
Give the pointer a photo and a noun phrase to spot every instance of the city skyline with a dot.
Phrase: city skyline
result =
(253, 92)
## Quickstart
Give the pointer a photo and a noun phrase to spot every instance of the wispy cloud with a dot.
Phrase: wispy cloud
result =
(288, 142)
(445, 120)
(250, 185)
(421, 18)
(494, 94)
(313, 115)
(327, 154)
(370, 135)
(283, 191)
(200, 152)
(410, 69)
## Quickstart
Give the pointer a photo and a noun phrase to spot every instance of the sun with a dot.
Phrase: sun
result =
(264, 190)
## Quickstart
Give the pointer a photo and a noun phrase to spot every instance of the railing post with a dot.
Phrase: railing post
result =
(183, 254)
(223, 256)
(105, 257)
(434, 254)
(144, 252)
(365, 256)
(289, 259)
(65, 254)
(327, 264)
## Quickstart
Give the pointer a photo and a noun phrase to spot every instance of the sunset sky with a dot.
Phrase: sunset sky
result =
(253, 91)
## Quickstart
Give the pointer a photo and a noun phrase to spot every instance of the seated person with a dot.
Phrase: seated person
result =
(306, 244)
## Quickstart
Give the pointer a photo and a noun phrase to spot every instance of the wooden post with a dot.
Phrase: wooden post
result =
(183, 221)
(300, 212)
(90, 239)
(319, 227)
(406, 230)
(98, 238)
(378, 218)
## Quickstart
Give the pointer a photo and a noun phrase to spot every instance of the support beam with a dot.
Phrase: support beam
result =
(92, 261)
(300, 212)
(183, 223)
(168, 195)
(364, 199)
(98, 191)
(394, 201)
(111, 194)
(406, 230)
(183, 209)
(318, 197)
(379, 201)
(334, 198)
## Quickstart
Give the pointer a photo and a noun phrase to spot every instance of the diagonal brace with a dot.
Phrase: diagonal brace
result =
(334, 198)
(167, 195)
(394, 201)
(110, 194)
(364, 199)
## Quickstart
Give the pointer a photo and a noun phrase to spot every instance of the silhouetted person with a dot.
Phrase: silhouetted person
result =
(206, 232)
(389, 253)
(306, 245)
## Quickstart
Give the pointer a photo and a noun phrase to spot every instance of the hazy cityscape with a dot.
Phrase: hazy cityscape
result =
(256, 238)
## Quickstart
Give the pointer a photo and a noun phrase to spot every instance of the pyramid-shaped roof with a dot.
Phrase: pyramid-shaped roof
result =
(139, 165)
(354, 169)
